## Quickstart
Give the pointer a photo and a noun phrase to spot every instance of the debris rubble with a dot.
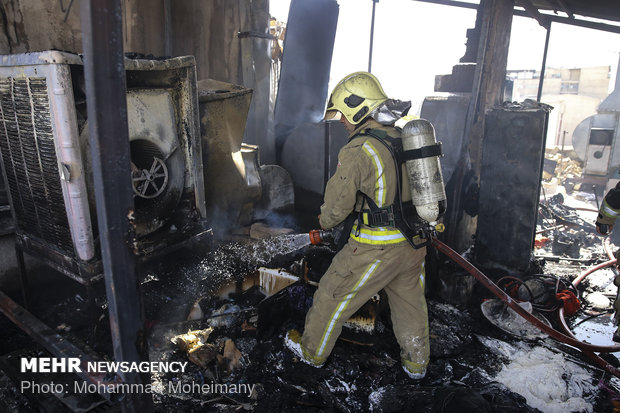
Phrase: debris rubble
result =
(226, 311)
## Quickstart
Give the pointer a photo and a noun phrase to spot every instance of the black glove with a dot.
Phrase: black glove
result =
(603, 229)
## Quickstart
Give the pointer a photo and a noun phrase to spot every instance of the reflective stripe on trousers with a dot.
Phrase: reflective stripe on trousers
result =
(343, 305)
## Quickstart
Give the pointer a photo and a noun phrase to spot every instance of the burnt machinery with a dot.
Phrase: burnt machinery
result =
(46, 158)
(238, 190)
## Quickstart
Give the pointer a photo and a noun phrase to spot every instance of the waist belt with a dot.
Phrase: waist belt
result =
(377, 236)
(379, 217)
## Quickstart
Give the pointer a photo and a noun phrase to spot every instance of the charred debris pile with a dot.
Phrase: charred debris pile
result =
(226, 313)
(225, 310)
(237, 338)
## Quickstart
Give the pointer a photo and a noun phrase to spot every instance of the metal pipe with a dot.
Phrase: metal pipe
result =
(372, 34)
(544, 64)
(104, 72)
(73, 176)
(556, 258)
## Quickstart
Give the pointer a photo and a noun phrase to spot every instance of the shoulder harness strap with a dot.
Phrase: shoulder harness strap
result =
(392, 215)
(398, 215)
(397, 144)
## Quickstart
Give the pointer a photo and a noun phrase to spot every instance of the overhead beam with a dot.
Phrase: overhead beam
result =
(565, 8)
(552, 18)
(534, 13)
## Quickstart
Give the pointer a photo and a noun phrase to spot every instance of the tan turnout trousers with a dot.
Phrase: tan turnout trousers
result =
(374, 258)
(356, 274)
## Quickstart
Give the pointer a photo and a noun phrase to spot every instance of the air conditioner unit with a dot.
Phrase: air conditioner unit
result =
(46, 158)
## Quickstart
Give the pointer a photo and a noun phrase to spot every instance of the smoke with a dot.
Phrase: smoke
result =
(223, 221)
(282, 220)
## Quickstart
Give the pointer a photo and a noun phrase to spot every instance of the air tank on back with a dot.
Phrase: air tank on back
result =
(428, 194)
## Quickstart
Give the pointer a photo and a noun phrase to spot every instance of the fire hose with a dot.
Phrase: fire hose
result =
(568, 338)
(317, 236)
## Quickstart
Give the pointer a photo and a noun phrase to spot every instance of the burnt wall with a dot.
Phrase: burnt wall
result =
(228, 38)
(145, 27)
(208, 30)
(35, 25)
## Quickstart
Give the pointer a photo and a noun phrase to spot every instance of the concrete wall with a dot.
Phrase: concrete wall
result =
(594, 81)
(591, 87)
(587, 81)
(145, 27)
(568, 111)
(228, 38)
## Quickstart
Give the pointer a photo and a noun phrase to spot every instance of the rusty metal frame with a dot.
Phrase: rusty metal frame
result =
(544, 64)
(56, 344)
(552, 18)
(104, 71)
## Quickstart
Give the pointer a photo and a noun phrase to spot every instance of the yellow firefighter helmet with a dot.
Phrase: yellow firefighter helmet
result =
(355, 96)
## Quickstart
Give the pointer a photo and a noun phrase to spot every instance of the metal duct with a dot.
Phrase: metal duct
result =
(612, 102)
(306, 62)
(40, 152)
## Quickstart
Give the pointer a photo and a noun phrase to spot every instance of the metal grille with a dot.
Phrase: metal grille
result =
(29, 157)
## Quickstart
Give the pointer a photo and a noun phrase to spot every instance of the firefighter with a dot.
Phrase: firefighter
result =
(374, 257)
(607, 215)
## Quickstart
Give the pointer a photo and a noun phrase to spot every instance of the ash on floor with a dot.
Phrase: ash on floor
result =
(242, 365)
(363, 373)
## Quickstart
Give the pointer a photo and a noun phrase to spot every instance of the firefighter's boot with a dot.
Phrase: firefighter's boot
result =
(292, 341)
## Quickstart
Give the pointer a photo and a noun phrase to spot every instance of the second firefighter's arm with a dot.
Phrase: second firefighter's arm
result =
(609, 211)
(341, 190)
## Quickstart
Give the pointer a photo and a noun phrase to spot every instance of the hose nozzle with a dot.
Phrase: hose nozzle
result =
(319, 236)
